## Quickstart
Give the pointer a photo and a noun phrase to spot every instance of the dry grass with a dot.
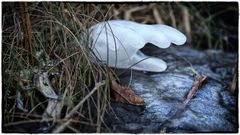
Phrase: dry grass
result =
(50, 43)
(53, 37)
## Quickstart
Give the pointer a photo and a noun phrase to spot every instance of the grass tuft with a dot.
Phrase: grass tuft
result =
(53, 38)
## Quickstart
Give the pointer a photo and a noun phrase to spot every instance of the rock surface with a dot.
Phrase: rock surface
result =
(213, 108)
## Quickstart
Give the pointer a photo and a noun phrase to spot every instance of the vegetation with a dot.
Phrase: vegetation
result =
(53, 37)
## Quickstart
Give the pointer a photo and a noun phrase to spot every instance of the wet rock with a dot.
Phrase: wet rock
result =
(31, 127)
(213, 108)
(130, 128)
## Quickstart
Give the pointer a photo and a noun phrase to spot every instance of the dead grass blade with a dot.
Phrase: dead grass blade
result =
(60, 128)
(157, 16)
(186, 22)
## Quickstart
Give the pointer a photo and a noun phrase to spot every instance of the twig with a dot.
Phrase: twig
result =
(62, 127)
(69, 115)
(97, 85)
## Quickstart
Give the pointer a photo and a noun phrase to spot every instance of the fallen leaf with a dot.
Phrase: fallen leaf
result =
(45, 87)
(198, 83)
(19, 102)
(53, 109)
(125, 94)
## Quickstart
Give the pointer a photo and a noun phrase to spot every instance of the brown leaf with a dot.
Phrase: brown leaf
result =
(125, 94)
(198, 83)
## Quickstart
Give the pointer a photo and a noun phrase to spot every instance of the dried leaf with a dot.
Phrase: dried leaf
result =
(234, 81)
(53, 109)
(45, 87)
(19, 101)
(198, 83)
(125, 94)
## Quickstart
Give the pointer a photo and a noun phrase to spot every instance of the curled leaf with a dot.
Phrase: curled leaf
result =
(125, 94)
(19, 101)
(45, 87)
(53, 109)
(198, 83)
